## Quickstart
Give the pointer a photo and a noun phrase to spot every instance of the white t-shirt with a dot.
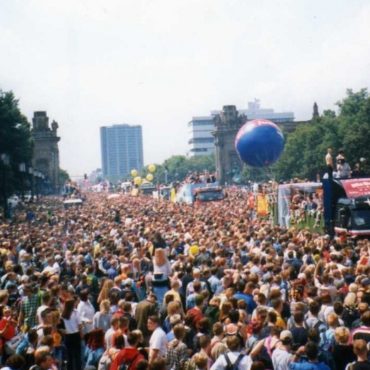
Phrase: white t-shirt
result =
(244, 364)
(158, 340)
(281, 359)
(72, 324)
(39, 311)
(86, 311)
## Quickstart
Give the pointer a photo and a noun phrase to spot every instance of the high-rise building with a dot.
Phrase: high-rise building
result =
(201, 139)
(121, 150)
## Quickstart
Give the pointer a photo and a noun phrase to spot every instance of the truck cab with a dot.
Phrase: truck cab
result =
(208, 194)
(200, 192)
(347, 206)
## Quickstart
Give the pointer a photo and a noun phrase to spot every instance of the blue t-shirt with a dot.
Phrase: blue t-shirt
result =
(306, 365)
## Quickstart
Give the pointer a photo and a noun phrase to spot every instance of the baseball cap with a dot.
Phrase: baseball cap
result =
(285, 334)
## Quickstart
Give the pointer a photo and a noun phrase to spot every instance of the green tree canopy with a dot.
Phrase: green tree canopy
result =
(306, 147)
(15, 145)
(177, 167)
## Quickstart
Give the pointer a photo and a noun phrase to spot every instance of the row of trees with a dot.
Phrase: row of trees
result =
(177, 167)
(349, 130)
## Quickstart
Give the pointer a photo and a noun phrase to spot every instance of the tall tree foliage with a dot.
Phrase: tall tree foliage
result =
(15, 144)
(306, 147)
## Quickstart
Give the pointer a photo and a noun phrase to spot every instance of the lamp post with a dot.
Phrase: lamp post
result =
(22, 170)
(5, 162)
(30, 171)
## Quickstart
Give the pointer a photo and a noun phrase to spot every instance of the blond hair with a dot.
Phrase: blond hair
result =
(342, 335)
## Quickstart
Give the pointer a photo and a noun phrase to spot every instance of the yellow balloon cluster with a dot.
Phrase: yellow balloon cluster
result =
(152, 168)
(149, 177)
(134, 173)
(138, 180)
(194, 250)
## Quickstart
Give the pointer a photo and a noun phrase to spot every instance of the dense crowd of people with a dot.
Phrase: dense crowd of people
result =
(138, 283)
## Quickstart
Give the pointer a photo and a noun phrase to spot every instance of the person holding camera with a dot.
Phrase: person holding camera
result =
(343, 168)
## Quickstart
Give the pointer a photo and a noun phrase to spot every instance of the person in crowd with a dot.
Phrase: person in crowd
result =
(130, 355)
(233, 357)
(310, 362)
(94, 349)
(158, 339)
(361, 351)
(177, 350)
(73, 335)
(102, 318)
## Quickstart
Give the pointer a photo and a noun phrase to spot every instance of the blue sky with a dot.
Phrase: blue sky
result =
(158, 63)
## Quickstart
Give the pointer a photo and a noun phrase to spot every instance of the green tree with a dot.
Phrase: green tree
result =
(306, 147)
(15, 146)
(63, 176)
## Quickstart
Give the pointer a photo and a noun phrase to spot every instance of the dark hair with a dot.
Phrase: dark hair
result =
(234, 316)
(158, 364)
(32, 335)
(41, 357)
(15, 362)
(199, 300)
(258, 365)
(96, 339)
(299, 317)
(142, 365)
(84, 295)
(312, 350)
(365, 318)
(119, 341)
(69, 306)
(314, 308)
(133, 339)
(155, 319)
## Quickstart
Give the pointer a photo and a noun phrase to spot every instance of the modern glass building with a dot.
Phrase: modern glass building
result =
(121, 150)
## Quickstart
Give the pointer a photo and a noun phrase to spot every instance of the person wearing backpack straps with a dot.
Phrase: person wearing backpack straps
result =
(234, 359)
(128, 357)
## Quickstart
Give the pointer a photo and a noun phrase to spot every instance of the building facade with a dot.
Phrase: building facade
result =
(201, 140)
(121, 150)
(226, 125)
(45, 150)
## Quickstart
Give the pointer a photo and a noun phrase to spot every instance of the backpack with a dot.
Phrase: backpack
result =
(11, 345)
(327, 340)
(318, 325)
(127, 364)
(235, 365)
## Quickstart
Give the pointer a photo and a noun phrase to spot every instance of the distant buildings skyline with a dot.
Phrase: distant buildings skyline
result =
(200, 128)
(121, 150)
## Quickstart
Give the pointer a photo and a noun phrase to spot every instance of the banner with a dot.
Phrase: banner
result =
(262, 205)
(356, 187)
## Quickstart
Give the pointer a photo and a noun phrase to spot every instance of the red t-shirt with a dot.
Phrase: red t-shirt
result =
(130, 355)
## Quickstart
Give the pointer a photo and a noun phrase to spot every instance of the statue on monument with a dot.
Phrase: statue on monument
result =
(54, 126)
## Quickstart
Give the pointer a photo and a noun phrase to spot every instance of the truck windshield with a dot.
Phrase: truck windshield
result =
(361, 219)
(207, 196)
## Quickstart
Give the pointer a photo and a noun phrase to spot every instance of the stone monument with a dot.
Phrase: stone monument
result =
(45, 151)
(227, 125)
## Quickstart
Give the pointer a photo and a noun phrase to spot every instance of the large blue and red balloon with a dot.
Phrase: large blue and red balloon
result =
(259, 143)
